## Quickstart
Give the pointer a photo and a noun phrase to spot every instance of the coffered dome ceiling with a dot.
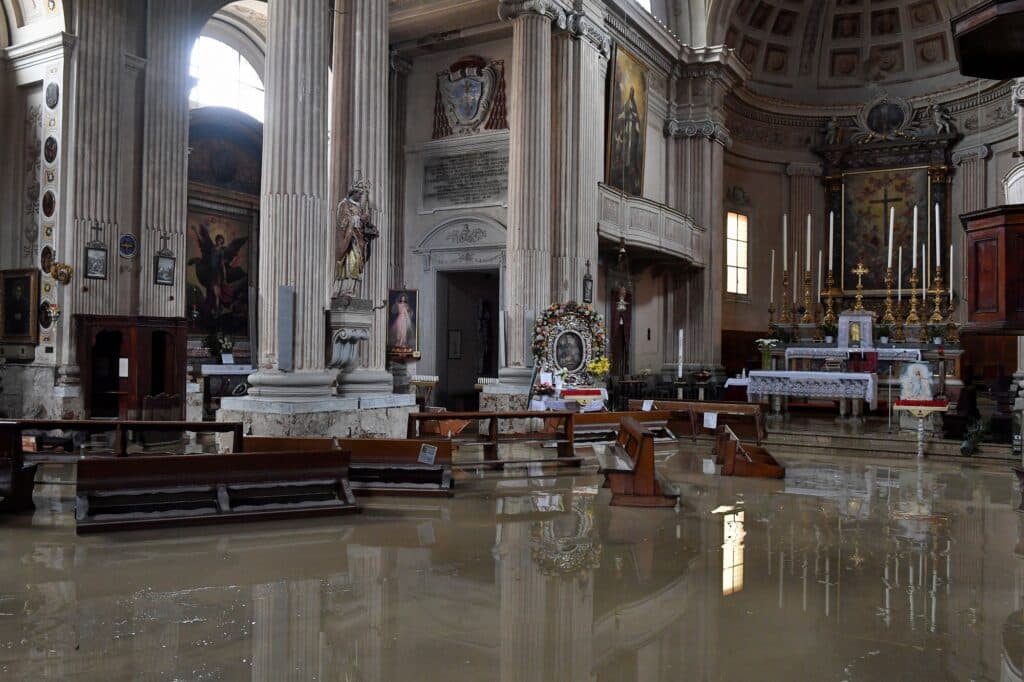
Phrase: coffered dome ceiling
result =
(829, 51)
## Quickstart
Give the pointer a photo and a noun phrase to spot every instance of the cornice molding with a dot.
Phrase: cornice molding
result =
(621, 31)
(804, 168)
(706, 128)
(582, 26)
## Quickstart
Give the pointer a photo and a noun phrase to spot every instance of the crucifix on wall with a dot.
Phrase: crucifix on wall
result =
(886, 201)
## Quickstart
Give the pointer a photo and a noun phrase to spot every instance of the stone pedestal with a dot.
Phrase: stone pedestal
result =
(381, 417)
(351, 322)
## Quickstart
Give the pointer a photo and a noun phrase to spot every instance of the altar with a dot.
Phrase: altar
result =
(858, 387)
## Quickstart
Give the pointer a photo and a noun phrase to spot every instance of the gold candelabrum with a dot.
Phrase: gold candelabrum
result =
(952, 329)
(937, 317)
(888, 318)
(860, 271)
(786, 317)
(912, 318)
(830, 311)
(899, 332)
(808, 317)
(771, 314)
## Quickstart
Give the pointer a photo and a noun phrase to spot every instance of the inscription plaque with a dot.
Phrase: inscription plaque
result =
(477, 178)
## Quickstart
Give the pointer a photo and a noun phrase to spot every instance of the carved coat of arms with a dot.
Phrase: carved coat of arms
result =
(470, 98)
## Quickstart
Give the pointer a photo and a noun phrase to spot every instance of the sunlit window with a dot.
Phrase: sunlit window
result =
(736, 237)
(646, 4)
(224, 78)
(732, 553)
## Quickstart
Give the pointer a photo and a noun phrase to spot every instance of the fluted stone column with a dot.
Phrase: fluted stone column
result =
(580, 57)
(972, 176)
(804, 192)
(165, 156)
(528, 275)
(360, 146)
(696, 187)
(295, 239)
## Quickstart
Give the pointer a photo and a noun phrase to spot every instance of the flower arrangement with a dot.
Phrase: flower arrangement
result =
(542, 328)
(545, 388)
(600, 367)
(766, 344)
(218, 343)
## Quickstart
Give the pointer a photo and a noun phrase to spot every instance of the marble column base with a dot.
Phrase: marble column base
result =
(291, 386)
(365, 382)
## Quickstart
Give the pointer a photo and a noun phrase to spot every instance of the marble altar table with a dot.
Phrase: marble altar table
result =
(826, 385)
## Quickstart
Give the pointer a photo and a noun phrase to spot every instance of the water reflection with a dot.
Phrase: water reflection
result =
(842, 571)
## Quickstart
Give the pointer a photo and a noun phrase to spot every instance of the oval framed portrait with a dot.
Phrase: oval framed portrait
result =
(52, 95)
(46, 260)
(569, 351)
(45, 318)
(50, 149)
(49, 204)
(127, 246)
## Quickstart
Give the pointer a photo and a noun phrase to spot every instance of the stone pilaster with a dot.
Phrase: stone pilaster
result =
(805, 197)
(165, 157)
(973, 176)
(294, 218)
(360, 146)
(1013, 181)
(528, 275)
(580, 57)
(696, 125)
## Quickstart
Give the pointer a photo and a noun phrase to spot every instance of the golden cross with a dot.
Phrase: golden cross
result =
(860, 271)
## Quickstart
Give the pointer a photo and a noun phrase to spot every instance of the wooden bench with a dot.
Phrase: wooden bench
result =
(17, 479)
(629, 471)
(558, 428)
(151, 491)
(122, 429)
(595, 427)
(738, 459)
(745, 419)
(377, 465)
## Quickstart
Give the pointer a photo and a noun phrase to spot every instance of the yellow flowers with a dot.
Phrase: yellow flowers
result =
(600, 367)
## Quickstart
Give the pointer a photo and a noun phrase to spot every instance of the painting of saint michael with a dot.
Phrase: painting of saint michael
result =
(627, 124)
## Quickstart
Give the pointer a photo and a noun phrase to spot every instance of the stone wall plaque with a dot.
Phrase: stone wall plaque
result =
(463, 179)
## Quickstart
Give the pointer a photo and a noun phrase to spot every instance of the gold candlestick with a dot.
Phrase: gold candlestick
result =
(899, 332)
(786, 317)
(808, 318)
(912, 318)
(860, 271)
(830, 287)
(771, 315)
(888, 318)
(936, 317)
(952, 328)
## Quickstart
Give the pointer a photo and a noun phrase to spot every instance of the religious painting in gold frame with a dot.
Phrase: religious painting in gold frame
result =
(866, 198)
(627, 123)
(19, 306)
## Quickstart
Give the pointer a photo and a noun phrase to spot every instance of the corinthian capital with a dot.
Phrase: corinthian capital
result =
(552, 9)
(584, 27)
(707, 129)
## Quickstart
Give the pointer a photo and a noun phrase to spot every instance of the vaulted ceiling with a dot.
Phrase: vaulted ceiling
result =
(829, 51)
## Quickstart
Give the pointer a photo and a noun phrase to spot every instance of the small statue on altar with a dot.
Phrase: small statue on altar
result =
(355, 233)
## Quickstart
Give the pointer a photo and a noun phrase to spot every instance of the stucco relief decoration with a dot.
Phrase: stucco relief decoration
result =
(566, 338)
(467, 235)
(470, 98)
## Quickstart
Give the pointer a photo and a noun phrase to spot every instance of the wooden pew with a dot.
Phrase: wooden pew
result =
(745, 419)
(377, 466)
(604, 426)
(151, 491)
(629, 470)
(17, 479)
(738, 459)
(122, 428)
(558, 428)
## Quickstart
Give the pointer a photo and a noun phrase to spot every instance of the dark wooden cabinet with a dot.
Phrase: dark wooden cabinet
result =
(995, 270)
(132, 367)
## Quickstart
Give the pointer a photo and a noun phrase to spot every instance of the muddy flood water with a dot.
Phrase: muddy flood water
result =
(846, 570)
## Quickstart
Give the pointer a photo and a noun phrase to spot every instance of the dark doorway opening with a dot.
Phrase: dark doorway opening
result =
(468, 304)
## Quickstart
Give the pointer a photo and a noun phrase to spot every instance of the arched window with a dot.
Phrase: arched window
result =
(224, 78)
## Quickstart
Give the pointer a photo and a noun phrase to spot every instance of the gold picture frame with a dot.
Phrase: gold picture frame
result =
(19, 306)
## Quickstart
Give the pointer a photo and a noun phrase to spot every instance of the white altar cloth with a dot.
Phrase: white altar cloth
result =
(884, 354)
(834, 385)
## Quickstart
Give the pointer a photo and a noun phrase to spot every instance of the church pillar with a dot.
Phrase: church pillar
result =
(527, 282)
(294, 224)
(580, 58)
(397, 94)
(165, 156)
(805, 196)
(697, 125)
(1013, 181)
(973, 176)
(360, 147)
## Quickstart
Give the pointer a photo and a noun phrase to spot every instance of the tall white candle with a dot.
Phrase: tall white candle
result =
(785, 242)
(807, 260)
(679, 359)
(892, 222)
(899, 277)
(771, 281)
(913, 251)
(831, 231)
(819, 275)
(950, 273)
(938, 253)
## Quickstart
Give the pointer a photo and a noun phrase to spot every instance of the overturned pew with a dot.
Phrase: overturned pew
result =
(596, 427)
(745, 419)
(17, 479)
(130, 493)
(628, 467)
(743, 459)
